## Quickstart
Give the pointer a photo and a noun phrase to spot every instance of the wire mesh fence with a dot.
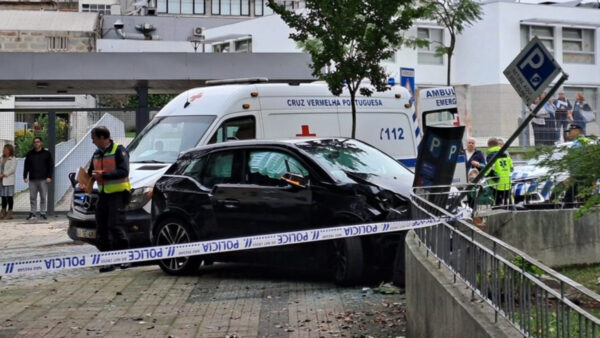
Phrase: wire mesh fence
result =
(66, 134)
(537, 300)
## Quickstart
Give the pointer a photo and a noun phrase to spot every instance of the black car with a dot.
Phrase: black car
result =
(243, 188)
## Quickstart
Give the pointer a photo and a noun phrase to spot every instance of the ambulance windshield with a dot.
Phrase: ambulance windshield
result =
(164, 138)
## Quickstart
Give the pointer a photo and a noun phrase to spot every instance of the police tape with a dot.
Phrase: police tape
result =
(213, 246)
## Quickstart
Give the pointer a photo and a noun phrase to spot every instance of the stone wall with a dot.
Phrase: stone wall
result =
(553, 237)
(27, 41)
(436, 306)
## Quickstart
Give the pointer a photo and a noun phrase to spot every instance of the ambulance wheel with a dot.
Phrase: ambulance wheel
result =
(174, 231)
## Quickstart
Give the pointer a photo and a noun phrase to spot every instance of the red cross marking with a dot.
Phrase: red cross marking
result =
(195, 97)
(305, 131)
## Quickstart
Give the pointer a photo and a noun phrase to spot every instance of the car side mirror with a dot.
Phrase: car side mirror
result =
(72, 179)
(296, 180)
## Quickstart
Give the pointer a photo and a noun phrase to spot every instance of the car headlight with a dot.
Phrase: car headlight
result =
(139, 197)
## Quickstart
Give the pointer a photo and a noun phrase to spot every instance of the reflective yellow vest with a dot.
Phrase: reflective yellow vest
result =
(108, 163)
(502, 167)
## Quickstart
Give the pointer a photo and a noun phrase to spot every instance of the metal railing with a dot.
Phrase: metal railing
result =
(534, 298)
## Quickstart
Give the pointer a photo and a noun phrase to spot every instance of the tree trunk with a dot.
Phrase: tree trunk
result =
(450, 52)
(352, 96)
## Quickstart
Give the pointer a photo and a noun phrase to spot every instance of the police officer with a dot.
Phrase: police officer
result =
(574, 133)
(500, 172)
(110, 170)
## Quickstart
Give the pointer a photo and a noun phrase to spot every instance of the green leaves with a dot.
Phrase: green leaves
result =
(347, 39)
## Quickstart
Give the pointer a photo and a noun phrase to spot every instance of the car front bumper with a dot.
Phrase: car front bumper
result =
(82, 227)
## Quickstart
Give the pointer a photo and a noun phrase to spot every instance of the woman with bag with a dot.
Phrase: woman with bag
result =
(8, 166)
(582, 113)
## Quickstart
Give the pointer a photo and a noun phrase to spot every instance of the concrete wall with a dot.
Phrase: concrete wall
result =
(437, 307)
(26, 41)
(554, 237)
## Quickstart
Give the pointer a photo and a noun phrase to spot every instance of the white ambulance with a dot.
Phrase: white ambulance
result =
(206, 115)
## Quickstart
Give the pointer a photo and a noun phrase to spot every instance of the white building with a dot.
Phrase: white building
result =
(482, 52)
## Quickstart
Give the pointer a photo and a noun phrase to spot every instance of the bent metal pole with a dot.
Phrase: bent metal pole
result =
(523, 125)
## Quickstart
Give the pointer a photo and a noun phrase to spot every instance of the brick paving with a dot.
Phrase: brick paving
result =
(223, 300)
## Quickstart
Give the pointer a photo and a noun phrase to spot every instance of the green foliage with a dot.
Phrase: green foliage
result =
(580, 163)
(455, 15)
(347, 39)
(527, 266)
(24, 138)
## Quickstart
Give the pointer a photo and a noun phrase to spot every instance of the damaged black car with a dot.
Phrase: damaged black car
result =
(245, 188)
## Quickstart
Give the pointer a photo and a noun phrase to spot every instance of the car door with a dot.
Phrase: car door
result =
(272, 203)
(223, 175)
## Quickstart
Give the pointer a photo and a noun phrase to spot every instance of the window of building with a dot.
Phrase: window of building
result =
(96, 8)
(181, 6)
(231, 7)
(544, 33)
(58, 43)
(578, 45)
(233, 46)
(243, 46)
(427, 55)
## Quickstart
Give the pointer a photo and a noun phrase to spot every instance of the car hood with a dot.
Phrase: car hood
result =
(146, 174)
(401, 186)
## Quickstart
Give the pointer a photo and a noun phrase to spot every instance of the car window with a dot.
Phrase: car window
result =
(239, 128)
(219, 169)
(194, 168)
(267, 167)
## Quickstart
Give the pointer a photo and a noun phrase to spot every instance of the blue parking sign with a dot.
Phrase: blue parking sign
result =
(532, 70)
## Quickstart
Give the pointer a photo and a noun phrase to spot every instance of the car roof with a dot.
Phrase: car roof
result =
(286, 142)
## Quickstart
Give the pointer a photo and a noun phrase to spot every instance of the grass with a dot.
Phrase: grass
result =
(130, 134)
(587, 275)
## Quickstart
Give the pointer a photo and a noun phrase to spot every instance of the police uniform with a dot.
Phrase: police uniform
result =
(500, 175)
(113, 192)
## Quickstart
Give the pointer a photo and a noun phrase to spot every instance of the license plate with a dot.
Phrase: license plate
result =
(85, 233)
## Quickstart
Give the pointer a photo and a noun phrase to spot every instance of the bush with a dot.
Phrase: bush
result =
(24, 138)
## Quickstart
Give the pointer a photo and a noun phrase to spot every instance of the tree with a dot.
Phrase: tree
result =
(455, 15)
(347, 40)
(580, 164)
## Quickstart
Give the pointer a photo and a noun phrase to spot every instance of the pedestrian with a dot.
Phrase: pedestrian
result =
(564, 112)
(37, 172)
(579, 106)
(499, 174)
(552, 134)
(538, 123)
(110, 169)
(8, 167)
(475, 158)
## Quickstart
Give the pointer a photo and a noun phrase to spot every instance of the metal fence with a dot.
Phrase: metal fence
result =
(537, 300)
(66, 133)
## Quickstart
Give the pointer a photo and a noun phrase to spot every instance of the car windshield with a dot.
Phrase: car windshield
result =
(164, 138)
(347, 158)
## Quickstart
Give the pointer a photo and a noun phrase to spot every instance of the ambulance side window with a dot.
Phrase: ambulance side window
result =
(239, 128)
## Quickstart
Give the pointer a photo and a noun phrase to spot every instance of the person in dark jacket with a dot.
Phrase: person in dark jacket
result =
(38, 171)
(110, 169)
(475, 158)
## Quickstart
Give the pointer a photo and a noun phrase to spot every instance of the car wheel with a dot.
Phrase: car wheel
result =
(348, 255)
(174, 231)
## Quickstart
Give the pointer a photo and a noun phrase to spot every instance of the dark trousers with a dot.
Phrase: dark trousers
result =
(7, 201)
(502, 197)
(110, 215)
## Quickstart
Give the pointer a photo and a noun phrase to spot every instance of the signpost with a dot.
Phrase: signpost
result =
(532, 70)
(529, 74)
(407, 80)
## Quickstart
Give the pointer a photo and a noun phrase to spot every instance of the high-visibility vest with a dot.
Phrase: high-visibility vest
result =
(503, 168)
(107, 162)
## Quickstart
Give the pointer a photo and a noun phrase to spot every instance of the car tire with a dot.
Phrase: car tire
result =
(174, 231)
(349, 263)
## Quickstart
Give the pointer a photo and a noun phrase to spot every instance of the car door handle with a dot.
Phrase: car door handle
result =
(229, 203)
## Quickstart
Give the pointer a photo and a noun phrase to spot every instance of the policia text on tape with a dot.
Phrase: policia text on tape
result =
(212, 246)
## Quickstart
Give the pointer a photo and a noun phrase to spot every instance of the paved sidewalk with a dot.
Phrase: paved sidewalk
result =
(224, 300)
